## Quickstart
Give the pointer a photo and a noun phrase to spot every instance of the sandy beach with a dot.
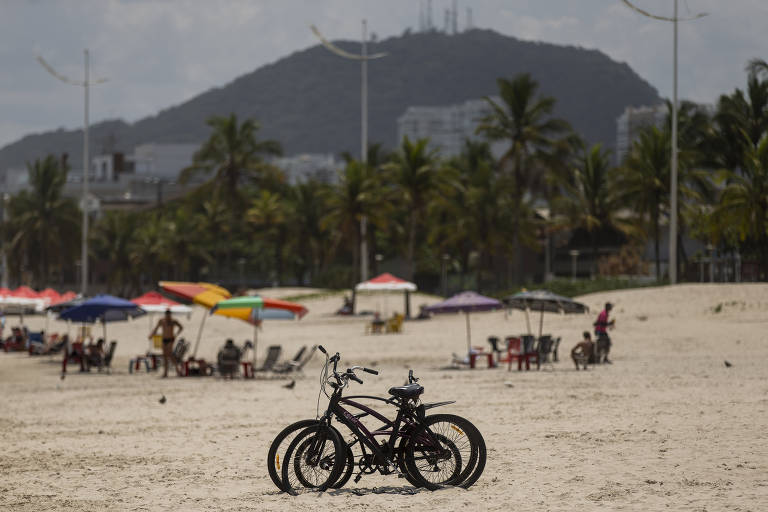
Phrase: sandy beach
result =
(667, 426)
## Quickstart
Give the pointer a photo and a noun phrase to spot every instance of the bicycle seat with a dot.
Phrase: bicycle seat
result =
(408, 391)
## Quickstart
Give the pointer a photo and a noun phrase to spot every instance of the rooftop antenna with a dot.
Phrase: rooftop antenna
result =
(429, 14)
(421, 16)
(85, 84)
(673, 185)
(447, 21)
(469, 18)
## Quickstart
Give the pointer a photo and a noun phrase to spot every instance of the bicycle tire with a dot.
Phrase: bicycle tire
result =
(421, 448)
(346, 472)
(303, 449)
(275, 456)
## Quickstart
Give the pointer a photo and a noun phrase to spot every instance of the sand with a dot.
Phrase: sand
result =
(667, 426)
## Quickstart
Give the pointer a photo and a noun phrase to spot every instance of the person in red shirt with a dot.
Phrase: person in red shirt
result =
(601, 332)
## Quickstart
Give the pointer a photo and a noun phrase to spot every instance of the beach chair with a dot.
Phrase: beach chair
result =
(273, 354)
(228, 360)
(544, 349)
(287, 366)
(297, 364)
(555, 346)
(395, 324)
(528, 352)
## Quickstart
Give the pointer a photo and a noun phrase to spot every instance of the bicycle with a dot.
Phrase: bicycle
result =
(428, 451)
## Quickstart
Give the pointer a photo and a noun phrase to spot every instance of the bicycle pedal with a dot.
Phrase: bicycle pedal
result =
(358, 477)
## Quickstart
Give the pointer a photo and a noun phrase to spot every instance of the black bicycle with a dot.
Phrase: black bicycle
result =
(429, 451)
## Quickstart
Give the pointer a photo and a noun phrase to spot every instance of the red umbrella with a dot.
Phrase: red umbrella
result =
(50, 295)
(25, 292)
(153, 302)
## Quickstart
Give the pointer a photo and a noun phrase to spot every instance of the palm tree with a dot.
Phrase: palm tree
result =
(44, 228)
(308, 206)
(524, 121)
(415, 173)
(590, 200)
(644, 183)
(268, 214)
(113, 240)
(743, 205)
(357, 194)
(233, 154)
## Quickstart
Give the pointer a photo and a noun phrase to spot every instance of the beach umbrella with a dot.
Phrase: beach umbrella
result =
(261, 308)
(543, 301)
(206, 295)
(387, 282)
(104, 309)
(23, 298)
(50, 296)
(465, 302)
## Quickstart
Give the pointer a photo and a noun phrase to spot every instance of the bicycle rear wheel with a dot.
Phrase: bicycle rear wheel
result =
(314, 460)
(445, 450)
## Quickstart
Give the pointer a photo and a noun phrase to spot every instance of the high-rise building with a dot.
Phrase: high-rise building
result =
(446, 126)
(633, 121)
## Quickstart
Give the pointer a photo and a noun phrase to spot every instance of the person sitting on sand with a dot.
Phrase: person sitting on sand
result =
(168, 326)
(601, 332)
(582, 352)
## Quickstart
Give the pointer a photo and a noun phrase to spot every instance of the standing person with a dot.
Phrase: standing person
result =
(168, 325)
(601, 332)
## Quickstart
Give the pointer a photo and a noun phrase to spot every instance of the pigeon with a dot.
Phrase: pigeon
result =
(727, 364)
(290, 385)
(162, 399)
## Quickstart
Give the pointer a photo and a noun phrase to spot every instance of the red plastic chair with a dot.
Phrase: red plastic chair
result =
(524, 351)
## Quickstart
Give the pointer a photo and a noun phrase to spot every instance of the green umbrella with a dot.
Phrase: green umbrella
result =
(262, 308)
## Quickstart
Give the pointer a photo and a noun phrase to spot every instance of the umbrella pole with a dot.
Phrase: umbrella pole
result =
(541, 321)
(469, 334)
(255, 341)
(528, 321)
(104, 329)
(199, 333)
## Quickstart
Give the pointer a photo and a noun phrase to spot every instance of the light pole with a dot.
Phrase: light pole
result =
(574, 256)
(673, 165)
(444, 274)
(85, 84)
(363, 57)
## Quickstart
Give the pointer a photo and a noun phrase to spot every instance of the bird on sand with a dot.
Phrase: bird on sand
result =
(727, 364)
(162, 399)
(290, 385)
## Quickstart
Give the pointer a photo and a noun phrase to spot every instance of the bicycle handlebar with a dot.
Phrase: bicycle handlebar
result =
(369, 370)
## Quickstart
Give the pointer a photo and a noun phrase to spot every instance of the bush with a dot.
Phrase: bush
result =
(569, 288)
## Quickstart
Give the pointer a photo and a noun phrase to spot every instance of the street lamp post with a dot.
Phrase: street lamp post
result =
(363, 57)
(444, 274)
(574, 256)
(85, 84)
(674, 163)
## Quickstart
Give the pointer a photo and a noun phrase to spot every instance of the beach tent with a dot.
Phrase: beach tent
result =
(21, 299)
(153, 302)
(262, 308)
(386, 282)
(104, 309)
(543, 301)
(465, 302)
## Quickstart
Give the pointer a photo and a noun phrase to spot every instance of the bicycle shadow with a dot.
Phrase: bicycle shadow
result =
(385, 489)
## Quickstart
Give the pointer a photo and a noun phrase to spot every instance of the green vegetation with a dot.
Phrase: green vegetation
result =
(569, 288)
(247, 220)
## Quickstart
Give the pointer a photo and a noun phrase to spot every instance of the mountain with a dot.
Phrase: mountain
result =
(310, 100)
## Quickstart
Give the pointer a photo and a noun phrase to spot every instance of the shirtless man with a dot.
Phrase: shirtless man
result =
(582, 351)
(167, 324)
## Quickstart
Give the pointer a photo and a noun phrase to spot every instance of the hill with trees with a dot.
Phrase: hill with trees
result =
(310, 100)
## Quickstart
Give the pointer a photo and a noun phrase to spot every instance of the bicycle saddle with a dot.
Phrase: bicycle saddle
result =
(408, 391)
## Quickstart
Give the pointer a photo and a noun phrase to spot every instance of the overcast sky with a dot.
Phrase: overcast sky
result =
(158, 53)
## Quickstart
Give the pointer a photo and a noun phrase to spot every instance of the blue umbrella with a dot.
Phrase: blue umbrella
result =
(102, 308)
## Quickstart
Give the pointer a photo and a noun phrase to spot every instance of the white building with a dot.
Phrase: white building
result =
(163, 161)
(633, 121)
(446, 126)
(322, 167)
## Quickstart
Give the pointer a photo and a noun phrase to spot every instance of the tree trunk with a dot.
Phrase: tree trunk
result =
(594, 253)
(655, 220)
(411, 244)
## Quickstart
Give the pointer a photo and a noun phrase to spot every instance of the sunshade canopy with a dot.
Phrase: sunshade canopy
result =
(543, 300)
(102, 308)
(465, 302)
(385, 282)
(262, 307)
(153, 302)
(205, 294)
(25, 292)
(63, 306)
